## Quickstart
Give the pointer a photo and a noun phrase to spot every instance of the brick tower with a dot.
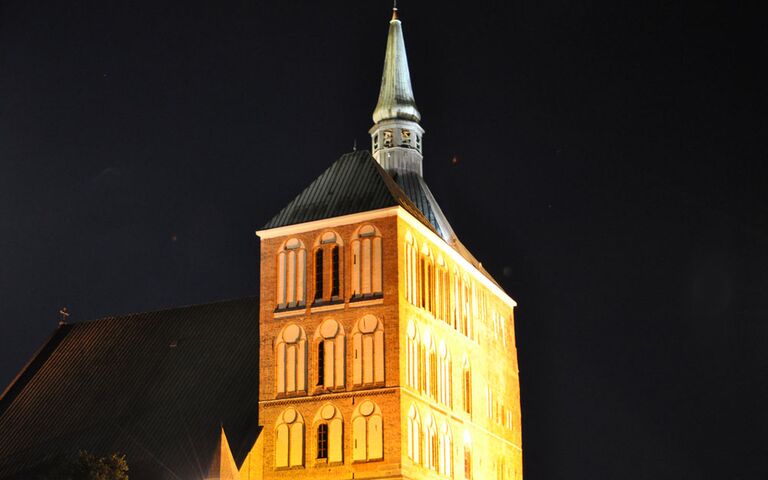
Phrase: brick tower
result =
(387, 351)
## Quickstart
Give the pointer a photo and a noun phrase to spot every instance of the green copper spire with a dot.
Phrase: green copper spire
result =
(396, 94)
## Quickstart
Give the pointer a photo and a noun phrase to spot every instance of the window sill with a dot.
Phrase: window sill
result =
(325, 306)
(321, 390)
(300, 393)
(289, 312)
(372, 460)
(365, 300)
(369, 386)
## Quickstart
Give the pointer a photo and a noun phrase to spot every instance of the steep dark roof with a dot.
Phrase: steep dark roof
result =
(354, 183)
(418, 192)
(357, 183)
(156, 386)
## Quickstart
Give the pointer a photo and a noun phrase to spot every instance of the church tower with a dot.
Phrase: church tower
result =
(386, 350)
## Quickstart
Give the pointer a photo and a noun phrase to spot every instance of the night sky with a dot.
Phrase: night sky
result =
(604, 162)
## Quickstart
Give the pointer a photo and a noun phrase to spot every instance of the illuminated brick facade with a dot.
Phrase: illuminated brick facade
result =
(386, 351)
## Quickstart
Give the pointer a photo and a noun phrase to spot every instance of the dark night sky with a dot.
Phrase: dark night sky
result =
(609, 176)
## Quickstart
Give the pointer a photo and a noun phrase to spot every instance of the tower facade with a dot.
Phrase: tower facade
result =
(386, 351)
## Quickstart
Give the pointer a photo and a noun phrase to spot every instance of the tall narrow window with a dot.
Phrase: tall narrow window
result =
(329, 338)
(444, 380)
(291, 274)
(321, 363)
(431, 447)
(423, 372)
(414, 435)
(442, 288)
(368, 357)
(426, 280)
(456, 300)
(446, 451)
(466, 307)
(412, 355)
(327, 268)
(335, 271)
(319, 274)
(329, 427)
(443, 291)
(367, 262)
(467, 463)
(367, 433)
(430, 364)
(467, 387)
(291, 360)
(322, 441)
(410, 270)
(289, 439)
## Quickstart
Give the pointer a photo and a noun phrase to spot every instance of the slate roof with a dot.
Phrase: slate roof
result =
(157, 386)
(352, 184)
(357, 183)
(418, 192)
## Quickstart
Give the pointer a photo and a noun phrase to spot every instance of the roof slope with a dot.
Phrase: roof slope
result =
(418, 192)
(354, 183)
(156, 386)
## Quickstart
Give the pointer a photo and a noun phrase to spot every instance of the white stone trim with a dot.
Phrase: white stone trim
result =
(328, 222)
(365, 303)
(326, 308)
(455, 256)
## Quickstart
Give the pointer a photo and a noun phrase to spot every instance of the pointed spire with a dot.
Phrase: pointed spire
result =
(396, 94)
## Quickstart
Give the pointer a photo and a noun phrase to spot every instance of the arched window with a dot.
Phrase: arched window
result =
(442, 291)
(291, 274)
(367, 433)
(456, 302)
(466, 307)
(446, 451)
(431, 449)
(412, 355)
(289, 439)
(329, 338)
(411, 255)
(466, 387)
(426, 280)
(481, 305)
(414, 435)
(430, 366)
(367, 262)
(467, 462)
(329, 430)
(444, 376)
(291, 360)
(368, 344)
(327, 268)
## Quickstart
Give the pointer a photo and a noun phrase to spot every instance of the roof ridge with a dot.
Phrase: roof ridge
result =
(166, 309)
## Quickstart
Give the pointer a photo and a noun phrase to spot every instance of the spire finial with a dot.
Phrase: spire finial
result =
(394, 9)
(396, 94)
(63, 316)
